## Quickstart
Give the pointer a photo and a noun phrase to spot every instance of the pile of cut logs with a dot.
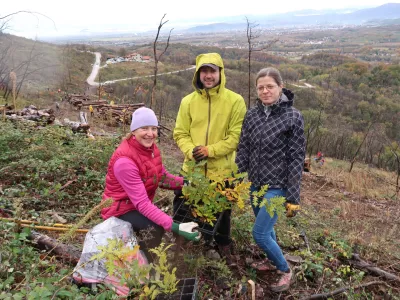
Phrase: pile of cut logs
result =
(30, 113)
(78, 100)
(119, 113)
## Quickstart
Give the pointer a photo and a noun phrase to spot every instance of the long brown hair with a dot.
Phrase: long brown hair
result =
(271, 72)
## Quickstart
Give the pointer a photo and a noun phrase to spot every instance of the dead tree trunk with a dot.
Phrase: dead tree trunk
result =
(252, 34)
(157, 59)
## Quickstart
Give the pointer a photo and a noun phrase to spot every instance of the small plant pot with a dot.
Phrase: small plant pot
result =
(187, 289)
(184, 214)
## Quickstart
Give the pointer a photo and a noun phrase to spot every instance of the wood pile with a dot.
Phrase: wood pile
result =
(76, 126)
(82, 100)
(117, 113)
(31, 113)
(121, 113)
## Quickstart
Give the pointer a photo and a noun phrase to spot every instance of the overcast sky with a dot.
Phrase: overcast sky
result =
(75, 16)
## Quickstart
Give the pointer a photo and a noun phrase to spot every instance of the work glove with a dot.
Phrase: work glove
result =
(200, 153)
(233, 183)
(186, 182)
(186, 230)
(291, 209)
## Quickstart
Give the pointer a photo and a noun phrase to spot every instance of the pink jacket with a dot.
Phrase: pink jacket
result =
(133, 176)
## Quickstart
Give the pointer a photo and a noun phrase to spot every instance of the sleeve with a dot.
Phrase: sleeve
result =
(169, 181)
(295, 160)
(127, 174)
(182, 129)
(243, 151)
(230, 143)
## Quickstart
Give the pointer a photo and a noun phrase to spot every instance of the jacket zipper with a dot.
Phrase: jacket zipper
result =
(259, 146)
(208, 125)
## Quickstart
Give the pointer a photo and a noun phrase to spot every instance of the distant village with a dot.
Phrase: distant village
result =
(129, 57)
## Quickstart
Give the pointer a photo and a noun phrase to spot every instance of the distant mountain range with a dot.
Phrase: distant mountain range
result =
(387, 14)
(370, 16)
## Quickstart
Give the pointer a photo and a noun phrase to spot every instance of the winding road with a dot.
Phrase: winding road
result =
(96, 68)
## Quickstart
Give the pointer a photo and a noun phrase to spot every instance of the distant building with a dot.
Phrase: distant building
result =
(134, 56)
(146, 58)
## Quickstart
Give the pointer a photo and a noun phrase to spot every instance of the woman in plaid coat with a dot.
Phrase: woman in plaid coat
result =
(272, 149)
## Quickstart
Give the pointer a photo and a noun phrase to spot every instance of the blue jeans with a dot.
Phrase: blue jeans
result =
(263, 230)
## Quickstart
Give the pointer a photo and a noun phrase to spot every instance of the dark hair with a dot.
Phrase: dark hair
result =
(271, 72)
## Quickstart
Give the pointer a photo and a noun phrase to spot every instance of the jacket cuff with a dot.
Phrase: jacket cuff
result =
(211, 152)
(175, 227)
(190, 154)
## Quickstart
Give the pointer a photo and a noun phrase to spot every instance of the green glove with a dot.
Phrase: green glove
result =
(186, 230)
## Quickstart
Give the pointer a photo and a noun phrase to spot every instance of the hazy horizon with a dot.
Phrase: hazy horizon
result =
(88, 17)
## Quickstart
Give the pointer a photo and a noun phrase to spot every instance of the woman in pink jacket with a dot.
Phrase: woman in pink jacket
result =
(134, 173)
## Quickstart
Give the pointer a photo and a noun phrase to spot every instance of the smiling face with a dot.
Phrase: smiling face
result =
(268, 90)
(146, 135)
(209, 77)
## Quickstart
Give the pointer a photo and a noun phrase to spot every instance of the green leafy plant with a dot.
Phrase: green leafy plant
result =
(272, 205)
(120, 261)
(26, 275)
(209, 196)
(165, 278)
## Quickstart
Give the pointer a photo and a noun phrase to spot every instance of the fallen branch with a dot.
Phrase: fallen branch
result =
(67, 252)
(362, 264)
(51, 212)
(342, 290)
(64, 186)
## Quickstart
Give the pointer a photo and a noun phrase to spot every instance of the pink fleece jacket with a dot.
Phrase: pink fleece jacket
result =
(127, 174)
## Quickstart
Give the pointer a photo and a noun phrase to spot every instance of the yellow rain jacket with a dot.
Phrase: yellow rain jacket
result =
(212, 118)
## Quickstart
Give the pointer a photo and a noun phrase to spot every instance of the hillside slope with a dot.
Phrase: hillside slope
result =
(42, 66)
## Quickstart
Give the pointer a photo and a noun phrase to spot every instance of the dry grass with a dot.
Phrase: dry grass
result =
(363, 180)
(359, 205)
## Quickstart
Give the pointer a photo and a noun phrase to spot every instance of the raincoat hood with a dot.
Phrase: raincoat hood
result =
(209, 58)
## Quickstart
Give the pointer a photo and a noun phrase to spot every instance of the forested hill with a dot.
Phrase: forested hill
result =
(41, 66)
(351, 107)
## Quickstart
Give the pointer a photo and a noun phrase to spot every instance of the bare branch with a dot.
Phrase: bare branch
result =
(34, 13)
(167, 45)
(157, 59)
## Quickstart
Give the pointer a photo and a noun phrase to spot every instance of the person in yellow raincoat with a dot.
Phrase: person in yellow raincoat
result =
(208, 126)
(91, 110)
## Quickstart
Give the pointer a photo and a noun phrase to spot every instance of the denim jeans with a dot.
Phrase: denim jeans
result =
(263, 230)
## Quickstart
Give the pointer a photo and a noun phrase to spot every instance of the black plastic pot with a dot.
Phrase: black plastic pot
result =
(184, 215)
(187, 289)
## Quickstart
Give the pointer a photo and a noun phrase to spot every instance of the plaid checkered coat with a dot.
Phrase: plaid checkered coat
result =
(272, 146)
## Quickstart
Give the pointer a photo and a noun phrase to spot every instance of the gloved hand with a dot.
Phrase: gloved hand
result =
(291, 209)
(200, 153)
(233, 183)
(186, 182)
(186, 230)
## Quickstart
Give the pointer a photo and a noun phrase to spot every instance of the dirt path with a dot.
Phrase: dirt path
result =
(96, 68)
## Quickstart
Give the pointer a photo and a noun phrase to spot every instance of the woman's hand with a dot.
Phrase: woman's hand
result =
(186, 230)
(291, 209)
